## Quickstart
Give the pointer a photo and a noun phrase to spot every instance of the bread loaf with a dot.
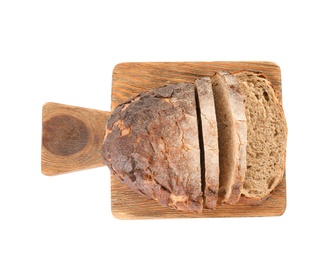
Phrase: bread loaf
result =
(152, 145)
(221, 140)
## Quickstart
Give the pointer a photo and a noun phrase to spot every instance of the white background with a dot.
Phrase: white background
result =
(64, 51)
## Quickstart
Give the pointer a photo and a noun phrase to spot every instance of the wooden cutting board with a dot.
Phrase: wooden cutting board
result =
(72, 136)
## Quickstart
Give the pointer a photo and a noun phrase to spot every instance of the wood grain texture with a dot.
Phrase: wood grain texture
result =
(128, 80)
(71, 138)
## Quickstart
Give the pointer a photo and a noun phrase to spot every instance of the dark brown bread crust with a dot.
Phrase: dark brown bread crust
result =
(152, 145)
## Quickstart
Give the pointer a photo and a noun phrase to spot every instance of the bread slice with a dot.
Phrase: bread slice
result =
(266, 137)
(231, 122)
(152, 145)
(209, 141)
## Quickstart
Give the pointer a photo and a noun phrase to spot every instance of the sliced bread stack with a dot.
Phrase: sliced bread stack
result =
(221, 140)
(208, 129)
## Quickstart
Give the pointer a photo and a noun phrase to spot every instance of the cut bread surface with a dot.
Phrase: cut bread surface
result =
(266, 137)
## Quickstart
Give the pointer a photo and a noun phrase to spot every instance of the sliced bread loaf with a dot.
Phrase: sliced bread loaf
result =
(209, 141)
(231, 122)
(152, 145)
(222, 140)
(266, 137)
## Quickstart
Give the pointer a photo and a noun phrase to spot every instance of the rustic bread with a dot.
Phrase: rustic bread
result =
(221, 140)
(232, 132)
(266, 137)
(152, 145)
(209, 141)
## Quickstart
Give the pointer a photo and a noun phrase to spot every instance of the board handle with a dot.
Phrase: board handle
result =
(72, 138)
